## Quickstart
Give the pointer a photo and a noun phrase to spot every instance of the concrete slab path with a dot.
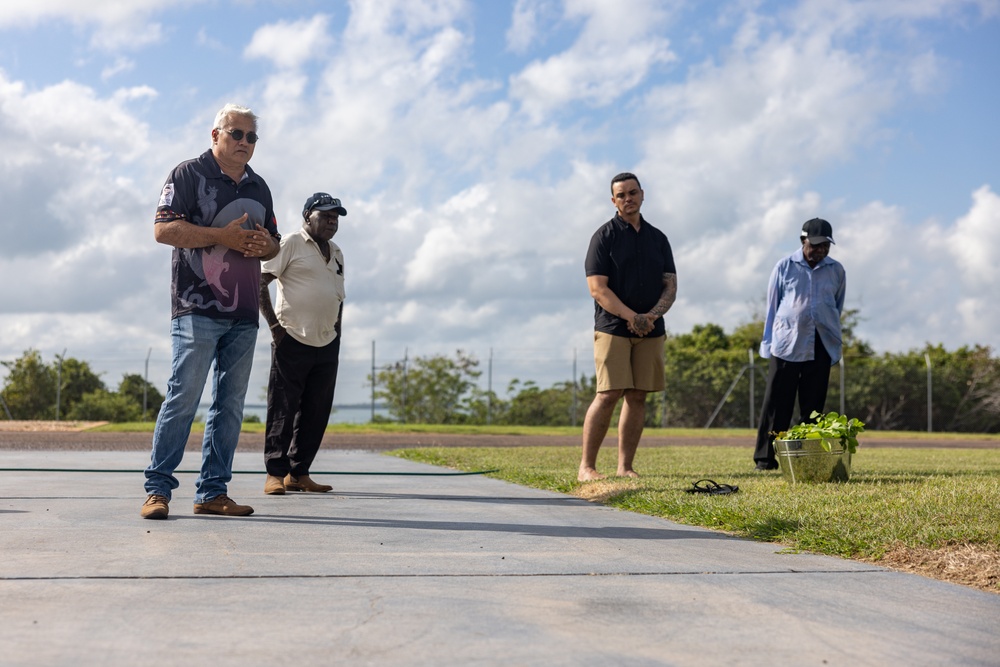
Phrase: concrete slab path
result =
(398, 568)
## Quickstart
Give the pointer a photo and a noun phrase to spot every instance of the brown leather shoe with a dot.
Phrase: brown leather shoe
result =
(274, 486)
(155, 507)
(222, 505)
(303, 483)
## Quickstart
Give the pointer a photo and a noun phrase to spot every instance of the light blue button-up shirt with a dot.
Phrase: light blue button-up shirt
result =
(801, 302)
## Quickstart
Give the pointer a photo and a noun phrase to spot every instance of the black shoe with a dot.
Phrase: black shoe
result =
(766, 465)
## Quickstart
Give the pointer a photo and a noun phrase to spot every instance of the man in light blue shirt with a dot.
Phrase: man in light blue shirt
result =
(805, 298)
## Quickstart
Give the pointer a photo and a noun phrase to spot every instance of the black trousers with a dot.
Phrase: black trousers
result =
(786, 379)
(299, 399)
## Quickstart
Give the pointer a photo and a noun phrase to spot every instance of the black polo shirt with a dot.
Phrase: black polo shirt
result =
(634, 262)
(215, 281)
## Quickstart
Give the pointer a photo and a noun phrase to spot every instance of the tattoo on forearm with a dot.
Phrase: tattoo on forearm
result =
(668, 296)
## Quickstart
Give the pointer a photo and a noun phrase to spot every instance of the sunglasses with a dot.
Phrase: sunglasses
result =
(238, 135)
(326, 200)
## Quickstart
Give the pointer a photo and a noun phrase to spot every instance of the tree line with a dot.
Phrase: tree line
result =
(708, 373)
(68, 388)
(887, 391)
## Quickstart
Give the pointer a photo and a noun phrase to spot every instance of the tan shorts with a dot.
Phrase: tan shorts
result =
(628, 363)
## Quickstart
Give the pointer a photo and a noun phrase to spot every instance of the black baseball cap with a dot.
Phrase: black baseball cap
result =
(321, 201)
(817, 231)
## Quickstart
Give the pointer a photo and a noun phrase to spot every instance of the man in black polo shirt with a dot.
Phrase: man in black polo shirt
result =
(218, 215)
(631, 275)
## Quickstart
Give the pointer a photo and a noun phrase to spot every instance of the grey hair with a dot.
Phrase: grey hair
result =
(234, 110)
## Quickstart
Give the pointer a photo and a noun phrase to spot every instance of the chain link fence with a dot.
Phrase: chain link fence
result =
(915, 391)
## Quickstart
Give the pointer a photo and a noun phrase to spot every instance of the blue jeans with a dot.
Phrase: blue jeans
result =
(201, 343)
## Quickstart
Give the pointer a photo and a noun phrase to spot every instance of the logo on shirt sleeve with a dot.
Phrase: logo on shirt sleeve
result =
(166, 195)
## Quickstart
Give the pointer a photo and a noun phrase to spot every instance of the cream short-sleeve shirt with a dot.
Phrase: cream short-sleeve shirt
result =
(310, 289)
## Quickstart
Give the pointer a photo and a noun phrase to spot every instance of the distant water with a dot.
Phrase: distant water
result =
(343, 414)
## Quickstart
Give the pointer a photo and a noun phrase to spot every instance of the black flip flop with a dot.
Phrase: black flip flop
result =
(712, 487)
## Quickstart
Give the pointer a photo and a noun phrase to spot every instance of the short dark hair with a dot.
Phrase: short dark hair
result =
(624, 176)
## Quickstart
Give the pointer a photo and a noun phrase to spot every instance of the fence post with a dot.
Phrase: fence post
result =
(663, 407)
(843, 400)
(752, 372)
(406, 380)
(145, 384)
(930, 399)
(59, 382)
(573, 419)
(718, 408)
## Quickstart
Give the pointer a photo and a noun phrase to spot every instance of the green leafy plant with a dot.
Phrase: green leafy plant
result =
(831, 426)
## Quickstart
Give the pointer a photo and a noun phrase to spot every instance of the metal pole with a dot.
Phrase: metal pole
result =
(406, 362)
(489, 390)
(59, 382)
(373, 381)
(729, 391)
(843, 393)
(145, 383)
(752, 373)
(573, 416)
(663, 397)
(930, 399)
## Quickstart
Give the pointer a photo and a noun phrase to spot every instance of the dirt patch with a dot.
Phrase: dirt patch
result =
(601, 490)
(967, 564)
(48, 426)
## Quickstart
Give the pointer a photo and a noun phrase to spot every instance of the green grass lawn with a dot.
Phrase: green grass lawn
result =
(468, 429)
(913, 497)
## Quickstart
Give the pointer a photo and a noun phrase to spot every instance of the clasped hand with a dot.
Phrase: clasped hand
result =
(641, 324)
(251, 242)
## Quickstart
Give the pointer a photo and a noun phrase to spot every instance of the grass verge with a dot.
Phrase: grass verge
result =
(467, 429)
(901, 506)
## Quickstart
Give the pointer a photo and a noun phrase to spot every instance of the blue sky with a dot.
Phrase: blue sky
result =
(472, 144)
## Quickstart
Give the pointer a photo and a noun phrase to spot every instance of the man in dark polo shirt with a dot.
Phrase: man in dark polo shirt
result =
(631, 275)
(218, 215)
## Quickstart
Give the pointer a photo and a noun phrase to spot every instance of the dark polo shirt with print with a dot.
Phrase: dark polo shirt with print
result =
(215, 281)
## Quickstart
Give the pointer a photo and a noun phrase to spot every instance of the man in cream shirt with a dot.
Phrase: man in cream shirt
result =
(305, 352)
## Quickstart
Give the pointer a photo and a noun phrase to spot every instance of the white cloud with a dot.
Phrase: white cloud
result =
(408, 17)
(40, 123)
(106, 11)
(468, 221)
(117, 26)
(61, 172)
(204, 38)
(454, 241)
(614, 53)
(117, 67)
(528, 21)
(834, 17)
(973, 242)
(290, 44)
(771, 114)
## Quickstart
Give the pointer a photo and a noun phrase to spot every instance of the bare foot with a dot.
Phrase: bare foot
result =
(628, 473)
(588, 474)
